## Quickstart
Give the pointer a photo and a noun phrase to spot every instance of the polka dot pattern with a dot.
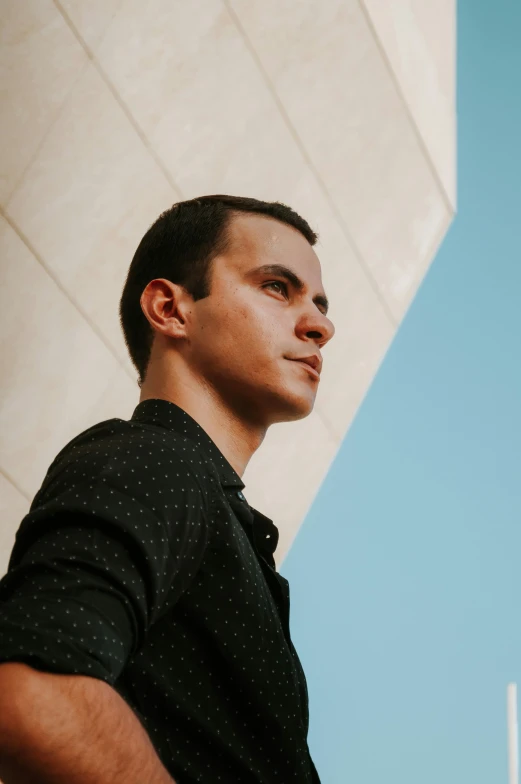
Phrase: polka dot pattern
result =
(141, 563)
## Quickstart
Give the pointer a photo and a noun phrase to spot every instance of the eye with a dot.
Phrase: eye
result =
(284, 286)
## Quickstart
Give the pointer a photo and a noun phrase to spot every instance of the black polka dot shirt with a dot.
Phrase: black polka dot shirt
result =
(141, 563)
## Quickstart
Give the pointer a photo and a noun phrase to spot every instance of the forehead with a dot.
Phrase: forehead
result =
(258, 239)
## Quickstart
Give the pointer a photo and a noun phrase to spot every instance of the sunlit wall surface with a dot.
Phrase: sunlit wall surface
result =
(114, 110)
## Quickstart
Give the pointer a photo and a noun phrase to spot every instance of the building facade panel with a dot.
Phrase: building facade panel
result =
(133, 107)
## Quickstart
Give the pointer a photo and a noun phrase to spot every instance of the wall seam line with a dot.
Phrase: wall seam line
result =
(15, 484)
(99, 334)
(311, 166)
(408, 110)
(121, 103)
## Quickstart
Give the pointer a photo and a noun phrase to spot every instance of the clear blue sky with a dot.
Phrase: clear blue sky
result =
(406, 575)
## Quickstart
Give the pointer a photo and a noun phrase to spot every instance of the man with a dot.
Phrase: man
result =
(144, 630)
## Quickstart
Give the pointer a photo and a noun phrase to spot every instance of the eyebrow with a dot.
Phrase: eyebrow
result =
(284, 272)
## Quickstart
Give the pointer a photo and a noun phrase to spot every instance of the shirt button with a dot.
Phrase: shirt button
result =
(240, 495)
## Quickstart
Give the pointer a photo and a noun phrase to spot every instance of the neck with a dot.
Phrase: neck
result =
(236, 439)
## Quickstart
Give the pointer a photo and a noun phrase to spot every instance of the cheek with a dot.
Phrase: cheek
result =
(239, 334)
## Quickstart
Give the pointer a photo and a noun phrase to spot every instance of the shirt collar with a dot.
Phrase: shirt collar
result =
(169, 415)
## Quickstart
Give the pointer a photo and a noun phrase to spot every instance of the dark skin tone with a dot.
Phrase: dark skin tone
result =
(225, 359)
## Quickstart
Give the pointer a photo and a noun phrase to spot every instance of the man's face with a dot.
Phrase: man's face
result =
(242, 336)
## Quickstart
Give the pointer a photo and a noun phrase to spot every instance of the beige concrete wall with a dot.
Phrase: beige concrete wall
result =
(114, 109)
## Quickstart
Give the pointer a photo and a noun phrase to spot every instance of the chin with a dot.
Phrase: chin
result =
(295, 409)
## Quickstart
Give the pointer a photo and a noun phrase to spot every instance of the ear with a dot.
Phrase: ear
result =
(165, 305)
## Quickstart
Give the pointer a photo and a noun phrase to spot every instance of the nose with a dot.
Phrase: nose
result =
(321, 331)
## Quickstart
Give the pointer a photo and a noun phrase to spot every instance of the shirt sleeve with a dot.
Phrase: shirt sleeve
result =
(100, 556)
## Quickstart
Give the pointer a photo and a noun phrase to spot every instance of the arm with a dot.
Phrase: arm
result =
(94, 565)
(70, 729)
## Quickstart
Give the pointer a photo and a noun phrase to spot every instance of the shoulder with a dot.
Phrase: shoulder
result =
(131, 457)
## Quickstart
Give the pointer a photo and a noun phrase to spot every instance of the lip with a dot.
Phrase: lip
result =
(310, 370)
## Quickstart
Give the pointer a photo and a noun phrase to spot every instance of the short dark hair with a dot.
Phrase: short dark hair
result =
(180, 246)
